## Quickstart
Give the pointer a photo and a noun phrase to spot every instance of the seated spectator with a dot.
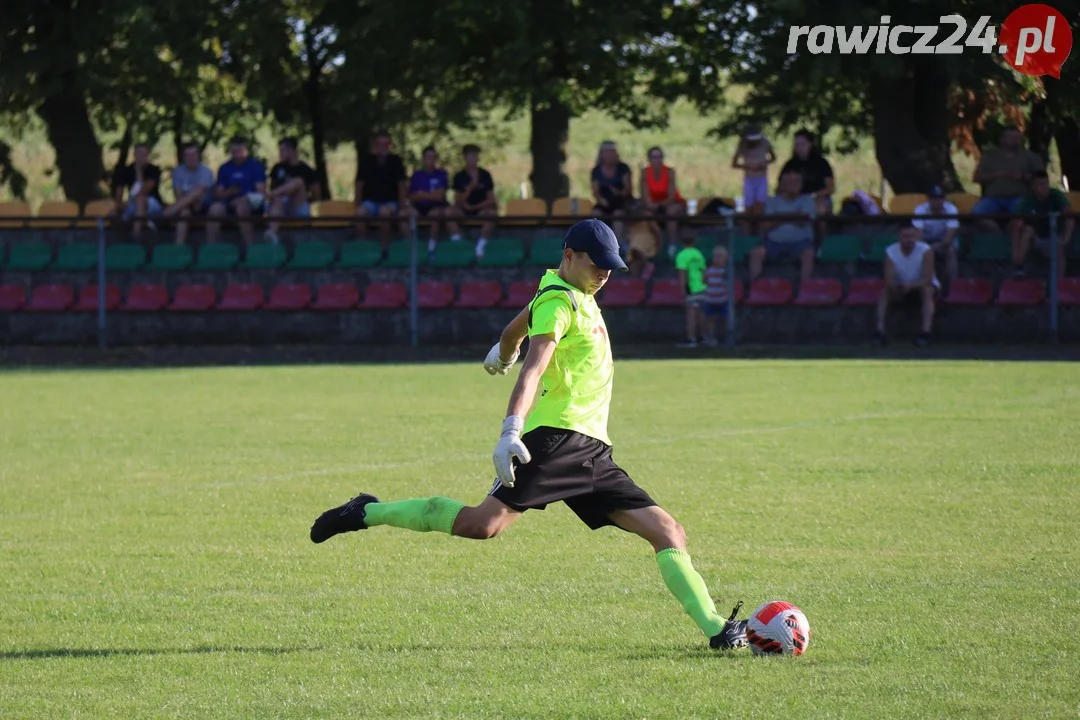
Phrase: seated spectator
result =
(716, 297)
(381, 188)
(1004, 174)
(642, 247)
(193, 183)
(753, 156)
(940, 234)
(815, 170)
(427, 192)
(1028, 231)
(909, 279)
(660, 194)
(474, 196)
(293, 183)
(141, 179)
(612, 187)
(690, 262)
(787, 240)
(240, 191)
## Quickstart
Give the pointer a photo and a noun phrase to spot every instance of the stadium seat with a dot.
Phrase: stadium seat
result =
(241, 297)
(336, 296)
(525, 207)
(546, 251)
(29, 256)
(170, 258)
(878, 245)
(479, 294)
(770, 291)
(12, 297)
(1074, 200)
(990, 247)
(1069, 291)
(434, 294)
(970, 291)
(864, 291)
(665, 292)
(819, 292)
(399, 254)
(385, 296)
(1021, 291)
(146, 297)
(51, 298)
(565, 206)
(95, 210)
(76, 257)
(905, 203)
(620, 292)
(520, 293)
(289, 296)
(217, 256)
(743, 245)
(503, 252)
(123, 257)
(193, 298)
(264, 256)
(57, 214)
(964, 201)
(88, 298)
(454, 254)
(840, 249)
(14, 209)
(335, 209)
(359, 254)
(312, 255)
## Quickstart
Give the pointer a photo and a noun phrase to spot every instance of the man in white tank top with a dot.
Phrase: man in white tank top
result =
(910, 279)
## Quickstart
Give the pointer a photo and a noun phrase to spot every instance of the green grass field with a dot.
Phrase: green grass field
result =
(155, 559)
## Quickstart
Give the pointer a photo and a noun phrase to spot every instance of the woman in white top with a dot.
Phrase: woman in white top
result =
(909, 278)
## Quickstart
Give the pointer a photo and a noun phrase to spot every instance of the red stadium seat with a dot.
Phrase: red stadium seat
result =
(970, 291)
(241, 297)
(665, 293)
(193, 298)
(820, 292)
(336, 296)
(434, 294)
(12, 297)
(864, 291)
(51, 298)
(1069, 291)
(1021, 291)
(770, 291)
(620, 292)
(146, 297)
(385, 296)
(520, 293)
(289, 296)
(479, 294)
(88, 298)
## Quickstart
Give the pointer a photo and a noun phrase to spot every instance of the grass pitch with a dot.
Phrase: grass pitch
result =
(154, 559)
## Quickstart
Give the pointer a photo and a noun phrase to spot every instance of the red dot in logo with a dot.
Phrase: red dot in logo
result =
(1036, 40)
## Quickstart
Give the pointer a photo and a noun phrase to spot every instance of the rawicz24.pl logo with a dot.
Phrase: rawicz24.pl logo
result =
(1035, 39)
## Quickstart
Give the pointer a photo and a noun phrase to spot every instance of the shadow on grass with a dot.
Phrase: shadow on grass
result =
(45, 654)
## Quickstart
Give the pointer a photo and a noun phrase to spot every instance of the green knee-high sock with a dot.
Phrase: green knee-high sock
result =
(420, 515)
(689, 589)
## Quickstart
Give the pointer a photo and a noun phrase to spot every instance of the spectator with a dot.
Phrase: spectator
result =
(817, 174)
(642, 247)
(193, 183)
(787, 239)
(716, 297)
(474, 196)
(612, 186)
(427, 192)
(910, 279)
(690, 263)
(940, 234)
(1028, 231)
(381, 188)
(661, 195)
(753, 156)
(240, 191)
(1004, 174)
(293, 183)
(141, 179)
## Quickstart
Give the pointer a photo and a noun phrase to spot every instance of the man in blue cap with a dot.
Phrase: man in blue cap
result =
(559, 451)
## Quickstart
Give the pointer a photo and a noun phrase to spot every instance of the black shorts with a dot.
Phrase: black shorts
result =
(575, 469)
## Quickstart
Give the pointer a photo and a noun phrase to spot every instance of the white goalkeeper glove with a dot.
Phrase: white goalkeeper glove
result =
(510, 446)
(494, 364)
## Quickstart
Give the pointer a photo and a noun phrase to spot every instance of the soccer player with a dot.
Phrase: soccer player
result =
(560, 451)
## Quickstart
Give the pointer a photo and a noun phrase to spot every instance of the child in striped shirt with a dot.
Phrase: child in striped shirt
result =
(715, 294)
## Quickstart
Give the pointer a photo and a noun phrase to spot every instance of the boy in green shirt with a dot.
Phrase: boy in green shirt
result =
(1023, 233)
(690, 262)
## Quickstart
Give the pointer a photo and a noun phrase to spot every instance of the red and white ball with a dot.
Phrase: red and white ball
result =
(778, 628)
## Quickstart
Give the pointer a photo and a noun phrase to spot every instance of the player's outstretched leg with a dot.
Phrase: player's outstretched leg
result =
(669, 541)
(434, 514)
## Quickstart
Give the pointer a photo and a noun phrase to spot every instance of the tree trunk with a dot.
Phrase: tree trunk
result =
(313, 90)
(550, 129)
(1068, 143)
(178, 133)
(1040, 131)
(78, 153)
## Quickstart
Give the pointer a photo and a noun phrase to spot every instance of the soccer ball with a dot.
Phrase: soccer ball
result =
(778, 628)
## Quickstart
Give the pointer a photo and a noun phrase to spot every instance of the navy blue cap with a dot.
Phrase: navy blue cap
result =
(594, 237)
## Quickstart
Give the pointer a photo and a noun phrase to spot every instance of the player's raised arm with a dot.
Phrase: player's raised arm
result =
(510, 445)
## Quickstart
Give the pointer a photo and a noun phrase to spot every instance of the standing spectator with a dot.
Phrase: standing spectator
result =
(474, 196)
(716, 297)
(940, 234)
(427, 192)
(753, 156)
(815, 170)
(690, 262)
(240, 191)
(293, 183)
(193, 184)
(788, 239)
(661, 195)
(1028, 231)
(612, 186)
(1004, 174)
(141, 180)
(910, 279)
(381, 188)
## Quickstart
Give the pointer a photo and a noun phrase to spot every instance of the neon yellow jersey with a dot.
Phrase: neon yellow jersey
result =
(693, 262)
(577, 383)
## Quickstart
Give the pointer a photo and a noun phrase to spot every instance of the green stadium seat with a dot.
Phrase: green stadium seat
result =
(546, 251)
(312, 255)
(454, 254)
(877, 247)
(29, 256)
(989, 247)
(218, 256)
(265, 256)
(840, 249)
(79, 256)
(503, 252)
(743, 244)
(170, 258)
(124, 257)
(359, 254)
(399, 254)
